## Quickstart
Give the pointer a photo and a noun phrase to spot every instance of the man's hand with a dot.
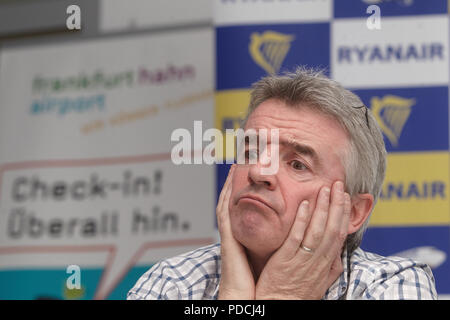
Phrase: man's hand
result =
(236, 280)
(294, 272)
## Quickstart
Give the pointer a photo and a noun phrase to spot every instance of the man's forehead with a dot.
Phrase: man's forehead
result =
(307, 131)
(294, 122)
(273, 110)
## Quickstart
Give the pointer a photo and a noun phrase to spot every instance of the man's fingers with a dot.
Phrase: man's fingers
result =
(337, 224)
(222, 206)
(316, 228)
(297, 232)
(345, 221)
(221, 203)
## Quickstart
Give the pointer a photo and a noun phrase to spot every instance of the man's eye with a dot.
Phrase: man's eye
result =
(297, 165)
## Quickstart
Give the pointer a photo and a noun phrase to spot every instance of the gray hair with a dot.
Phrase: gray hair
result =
(365, 161)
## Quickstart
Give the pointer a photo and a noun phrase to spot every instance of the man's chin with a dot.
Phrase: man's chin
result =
(250, 223)
(254, 232)
(258, 248)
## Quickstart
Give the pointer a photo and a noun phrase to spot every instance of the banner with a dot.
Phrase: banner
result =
(400, 71)
(86, 177)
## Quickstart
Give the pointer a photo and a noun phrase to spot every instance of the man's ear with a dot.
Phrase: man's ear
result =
(361, 207)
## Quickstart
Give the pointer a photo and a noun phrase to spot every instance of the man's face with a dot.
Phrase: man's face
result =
(311, 149)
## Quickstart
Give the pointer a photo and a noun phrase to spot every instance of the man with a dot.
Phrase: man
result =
(295, 234)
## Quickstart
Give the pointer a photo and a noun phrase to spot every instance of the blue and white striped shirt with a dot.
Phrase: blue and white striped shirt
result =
(196, 275)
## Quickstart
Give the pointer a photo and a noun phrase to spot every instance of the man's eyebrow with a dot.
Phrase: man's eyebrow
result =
(301, 149)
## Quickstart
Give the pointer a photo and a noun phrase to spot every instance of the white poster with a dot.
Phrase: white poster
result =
(118, 15)
(243, 12)
(86, 176)
(406, 51)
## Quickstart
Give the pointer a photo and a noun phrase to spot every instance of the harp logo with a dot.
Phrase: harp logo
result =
(391, 113)
(269, 49)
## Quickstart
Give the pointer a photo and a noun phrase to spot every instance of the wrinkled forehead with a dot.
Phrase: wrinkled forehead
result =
(301, 127)
(295, 119)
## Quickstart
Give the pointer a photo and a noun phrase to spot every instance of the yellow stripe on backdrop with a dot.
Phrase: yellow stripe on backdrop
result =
(231, 108)
(415, 191)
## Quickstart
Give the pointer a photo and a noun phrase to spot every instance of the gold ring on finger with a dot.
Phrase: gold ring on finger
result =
(309, 250)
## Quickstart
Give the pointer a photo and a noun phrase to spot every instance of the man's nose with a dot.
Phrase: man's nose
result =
(255, 176)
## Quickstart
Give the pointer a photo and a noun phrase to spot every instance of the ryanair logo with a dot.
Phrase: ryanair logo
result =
(391, 113)
(414, 197)
(269, 49)
(418, 190)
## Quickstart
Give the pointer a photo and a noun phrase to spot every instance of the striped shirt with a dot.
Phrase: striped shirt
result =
(196, 275)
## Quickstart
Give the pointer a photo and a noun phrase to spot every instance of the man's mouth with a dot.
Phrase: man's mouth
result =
(255, 199)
